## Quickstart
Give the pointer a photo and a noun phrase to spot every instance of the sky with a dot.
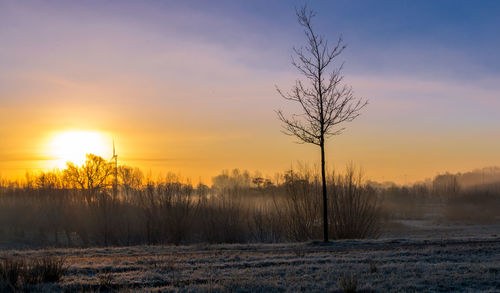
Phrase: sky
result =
(190, 86)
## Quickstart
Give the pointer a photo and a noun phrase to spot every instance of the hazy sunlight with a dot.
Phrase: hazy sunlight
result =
(74, 145)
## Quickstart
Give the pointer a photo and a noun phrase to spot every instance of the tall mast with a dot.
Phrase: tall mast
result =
(115, 185)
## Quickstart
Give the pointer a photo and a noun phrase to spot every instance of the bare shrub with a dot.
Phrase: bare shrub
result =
(224, 220)
(299, 251)
(168, 211)
(105, 280)
(11, 273)
(373, 268)
(178, 211)
(46, 269)
(266, 225)
(58, 211)
(163, 212)
(301, 205)
(15, 273)
(355, 209)
(348, 283)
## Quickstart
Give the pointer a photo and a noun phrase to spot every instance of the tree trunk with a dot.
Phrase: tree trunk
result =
(325, 204)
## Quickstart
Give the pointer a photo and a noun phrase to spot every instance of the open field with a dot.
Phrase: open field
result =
(385, 265)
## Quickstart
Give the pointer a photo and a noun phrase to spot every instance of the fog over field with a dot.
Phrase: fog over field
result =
(439, 235)
(238, 207)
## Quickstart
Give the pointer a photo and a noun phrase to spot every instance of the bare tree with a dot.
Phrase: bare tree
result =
(92, 177)
(325, 101)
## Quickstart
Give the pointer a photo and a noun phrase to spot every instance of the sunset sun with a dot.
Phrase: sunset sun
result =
(72, 146)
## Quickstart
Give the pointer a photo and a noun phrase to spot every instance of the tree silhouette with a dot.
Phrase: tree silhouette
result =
(92, 176)
(325, 101)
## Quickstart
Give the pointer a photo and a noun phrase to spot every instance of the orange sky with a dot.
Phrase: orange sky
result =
(177, 100)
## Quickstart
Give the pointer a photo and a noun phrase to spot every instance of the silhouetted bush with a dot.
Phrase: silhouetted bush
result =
(17, 273)
(353, 208)
(11, 273)
(169, 211)
(348, 283)
(224, 220)
(46, 210)
(45, 269)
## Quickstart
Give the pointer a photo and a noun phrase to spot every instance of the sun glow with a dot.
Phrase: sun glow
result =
(72, 146)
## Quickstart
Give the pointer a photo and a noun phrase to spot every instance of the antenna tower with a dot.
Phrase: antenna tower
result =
(115, 183)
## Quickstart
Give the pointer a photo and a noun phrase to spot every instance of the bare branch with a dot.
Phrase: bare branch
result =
(325, 103)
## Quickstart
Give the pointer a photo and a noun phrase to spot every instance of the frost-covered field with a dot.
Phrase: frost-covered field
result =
(386, 265)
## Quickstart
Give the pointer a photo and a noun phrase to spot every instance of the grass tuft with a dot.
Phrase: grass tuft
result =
(349, 283)
(16, 273)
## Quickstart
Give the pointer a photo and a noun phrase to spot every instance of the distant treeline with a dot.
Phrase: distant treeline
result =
(83, 206)
(471, 197)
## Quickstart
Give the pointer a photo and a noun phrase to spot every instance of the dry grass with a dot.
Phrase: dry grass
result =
(348, 282)
(18, 273)
(401, 266)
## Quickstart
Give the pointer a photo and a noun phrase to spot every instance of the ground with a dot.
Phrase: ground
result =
(451, 264)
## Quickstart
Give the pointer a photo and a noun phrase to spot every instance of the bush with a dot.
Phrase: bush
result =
(301, 205)
(46, 269)
(16, 273)
(168, 211)
(354, 211)
(353, 208)
(348, 283)
(11, 273)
